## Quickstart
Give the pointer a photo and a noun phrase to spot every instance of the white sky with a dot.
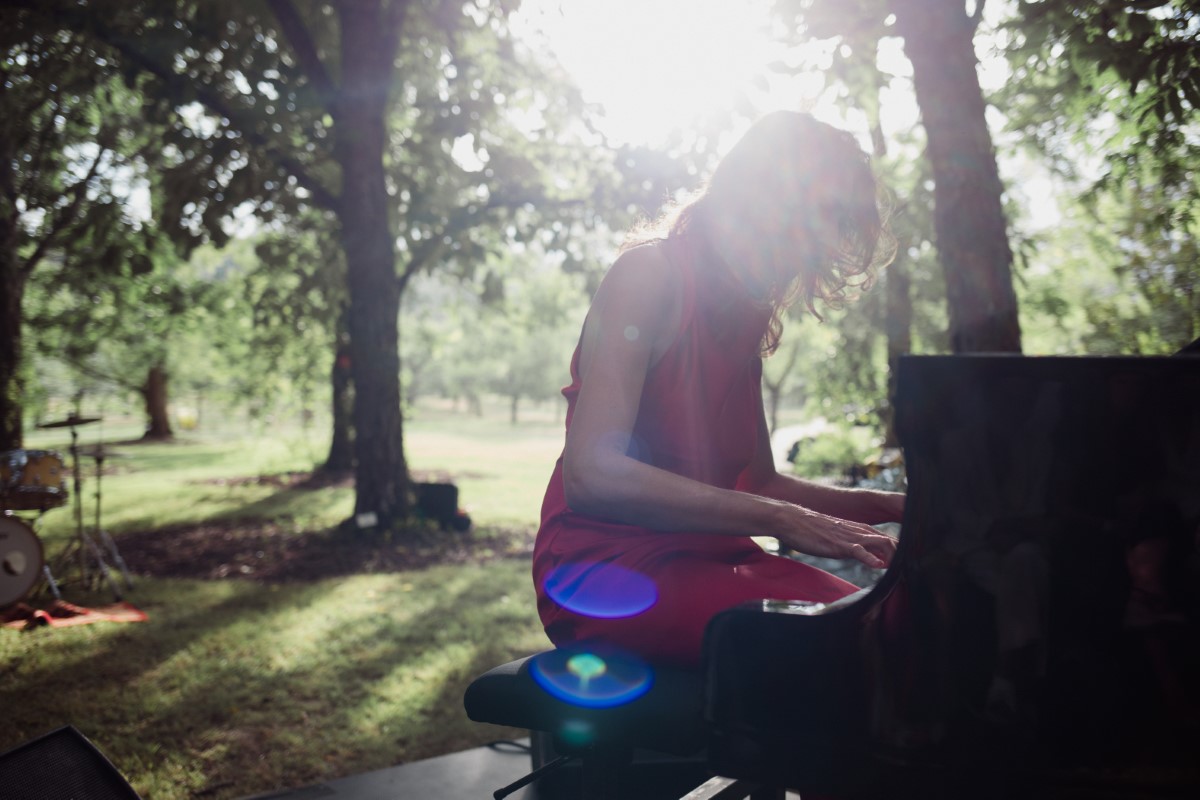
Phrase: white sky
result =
(655, 65)
(658, 65)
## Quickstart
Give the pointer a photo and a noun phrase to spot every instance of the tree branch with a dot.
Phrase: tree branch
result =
(65, 217)
(305, 49)
(39, 139)
(217, 104)
(95, 374)
(462, 219)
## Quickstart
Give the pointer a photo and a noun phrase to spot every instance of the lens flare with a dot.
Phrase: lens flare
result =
(577, 732)
(603, 591)
(586, 666)
(591, 680)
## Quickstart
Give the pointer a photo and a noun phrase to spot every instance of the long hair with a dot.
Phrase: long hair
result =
(804, 197)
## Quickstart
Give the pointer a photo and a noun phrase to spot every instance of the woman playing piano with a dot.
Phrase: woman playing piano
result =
(667, 470)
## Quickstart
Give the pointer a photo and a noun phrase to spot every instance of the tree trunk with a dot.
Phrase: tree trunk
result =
(341, 447)
(381, 475)
(774, 388)
(12, 293)
(154, 397)
(12, 290)
(972, 236)
(513, 402)
(897, 318)
(898, 325)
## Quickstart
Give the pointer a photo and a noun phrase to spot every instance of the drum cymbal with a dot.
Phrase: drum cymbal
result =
(70, 422)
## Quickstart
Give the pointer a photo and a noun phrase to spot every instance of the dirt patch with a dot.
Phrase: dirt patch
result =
(272, 551)
(325, 480)
(288, 480)
(269, 552)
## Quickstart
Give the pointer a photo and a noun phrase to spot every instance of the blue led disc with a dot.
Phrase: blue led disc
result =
(604, 591)
(591, 680)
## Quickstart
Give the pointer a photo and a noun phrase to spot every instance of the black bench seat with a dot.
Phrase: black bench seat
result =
(650, 745)
(668, 718)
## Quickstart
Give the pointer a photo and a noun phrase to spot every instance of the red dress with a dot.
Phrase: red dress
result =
(652, 592)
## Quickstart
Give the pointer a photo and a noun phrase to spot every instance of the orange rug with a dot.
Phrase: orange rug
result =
(61, 614)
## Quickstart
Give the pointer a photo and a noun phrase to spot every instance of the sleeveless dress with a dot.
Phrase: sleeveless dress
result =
(606, 583)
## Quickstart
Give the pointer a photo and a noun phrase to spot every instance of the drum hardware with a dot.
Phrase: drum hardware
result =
(98, 454)
(51, 582)
(72, 421)
(30, 480)
(85, 547)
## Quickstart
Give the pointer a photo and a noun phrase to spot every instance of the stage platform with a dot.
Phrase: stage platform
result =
(475, 775)
(458, 776)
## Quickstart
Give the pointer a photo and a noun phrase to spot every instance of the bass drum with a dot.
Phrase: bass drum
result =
(21, 559)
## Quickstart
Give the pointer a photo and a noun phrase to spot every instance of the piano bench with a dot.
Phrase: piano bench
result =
(650, 746)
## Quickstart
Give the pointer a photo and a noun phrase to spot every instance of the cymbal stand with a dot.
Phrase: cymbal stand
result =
(46, 572)
(87, 545)
(111, 545)
(53, 584)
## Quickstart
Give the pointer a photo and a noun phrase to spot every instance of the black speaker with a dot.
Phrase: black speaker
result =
(59, 765)
(439, 502)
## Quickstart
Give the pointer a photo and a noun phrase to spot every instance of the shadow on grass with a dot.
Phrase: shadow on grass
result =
(274, 656)
(277, 686)
(303, 494)
(275, 552)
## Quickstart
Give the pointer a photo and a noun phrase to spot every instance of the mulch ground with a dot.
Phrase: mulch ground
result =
(271, 551)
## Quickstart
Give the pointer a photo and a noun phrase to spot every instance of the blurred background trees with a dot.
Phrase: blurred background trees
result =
(339, 210)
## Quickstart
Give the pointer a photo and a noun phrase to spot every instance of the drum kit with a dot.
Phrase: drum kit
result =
(35, 481)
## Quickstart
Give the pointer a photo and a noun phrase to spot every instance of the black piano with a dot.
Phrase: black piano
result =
(1036, 636)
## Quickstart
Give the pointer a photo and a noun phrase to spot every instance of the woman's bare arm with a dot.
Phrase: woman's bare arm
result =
(634, 318)
(861, 505)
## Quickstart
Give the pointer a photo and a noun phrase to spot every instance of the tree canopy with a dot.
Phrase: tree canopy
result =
(74, 155)
(407, 123)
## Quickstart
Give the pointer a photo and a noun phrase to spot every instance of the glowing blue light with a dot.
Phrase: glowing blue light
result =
(577, 732)
(590, 680)
(604, 591)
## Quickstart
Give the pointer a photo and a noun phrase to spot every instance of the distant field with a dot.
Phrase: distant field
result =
(501, 469)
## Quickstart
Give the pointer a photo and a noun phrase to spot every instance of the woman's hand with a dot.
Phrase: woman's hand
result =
(829, 537)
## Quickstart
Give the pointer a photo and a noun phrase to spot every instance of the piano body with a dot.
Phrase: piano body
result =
(1037, 634)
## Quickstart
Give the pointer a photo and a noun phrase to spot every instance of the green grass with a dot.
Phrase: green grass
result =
(501, 470)
(233, 688)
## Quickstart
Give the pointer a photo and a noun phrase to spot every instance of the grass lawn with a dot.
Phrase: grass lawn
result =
(246, 684)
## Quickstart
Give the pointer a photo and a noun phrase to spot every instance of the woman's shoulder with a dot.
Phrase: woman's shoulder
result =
(643, 290)
(645, 267)
(652, 252)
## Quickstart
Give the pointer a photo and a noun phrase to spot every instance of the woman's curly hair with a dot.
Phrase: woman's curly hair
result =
(792, 178)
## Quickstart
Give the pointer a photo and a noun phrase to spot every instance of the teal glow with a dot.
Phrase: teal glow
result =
(586, 666)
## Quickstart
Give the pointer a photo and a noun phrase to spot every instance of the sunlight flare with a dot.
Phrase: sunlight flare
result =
(659, 65)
